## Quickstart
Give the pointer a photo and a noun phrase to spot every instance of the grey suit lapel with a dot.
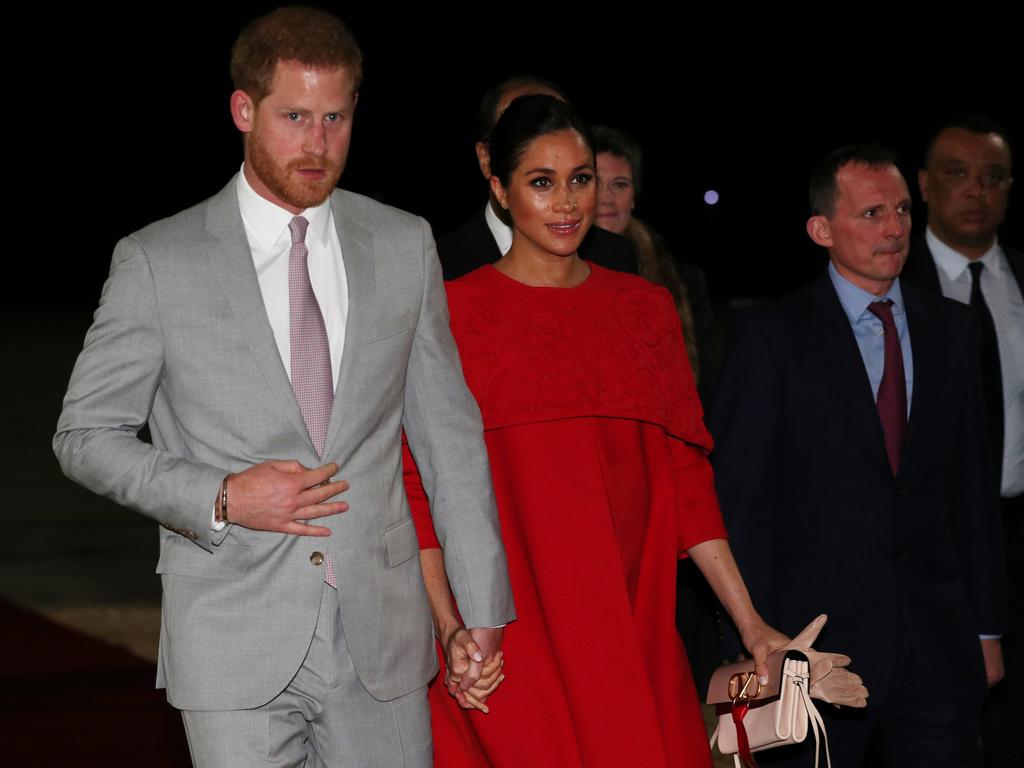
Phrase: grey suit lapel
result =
(231, 262)
(360, 274)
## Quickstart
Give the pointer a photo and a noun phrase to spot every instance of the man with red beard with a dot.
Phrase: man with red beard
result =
(278, 338)
(966, 182)
(850, 466)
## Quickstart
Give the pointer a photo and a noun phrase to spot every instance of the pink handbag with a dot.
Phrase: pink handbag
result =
(752, 717)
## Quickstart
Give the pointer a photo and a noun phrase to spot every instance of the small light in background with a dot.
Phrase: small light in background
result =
(711, 197)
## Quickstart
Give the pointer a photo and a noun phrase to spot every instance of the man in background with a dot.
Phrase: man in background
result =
(851, 467)
(966, 182)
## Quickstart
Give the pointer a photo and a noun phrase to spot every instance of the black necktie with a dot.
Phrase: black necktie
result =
(991, 374)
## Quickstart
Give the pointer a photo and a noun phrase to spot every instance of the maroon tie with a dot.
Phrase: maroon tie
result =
(892, 391)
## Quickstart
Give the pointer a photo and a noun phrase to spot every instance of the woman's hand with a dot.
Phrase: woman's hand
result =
(760, 640)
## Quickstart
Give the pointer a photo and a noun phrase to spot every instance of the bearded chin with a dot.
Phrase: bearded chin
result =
(286, 186)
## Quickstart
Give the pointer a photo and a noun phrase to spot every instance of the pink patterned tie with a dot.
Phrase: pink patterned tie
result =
(311, 352)
(892, 391)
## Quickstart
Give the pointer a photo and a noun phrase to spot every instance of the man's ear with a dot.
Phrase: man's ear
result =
(820, 231)
(243, 111)
(483, 157)
(922, 183)
(499, 192)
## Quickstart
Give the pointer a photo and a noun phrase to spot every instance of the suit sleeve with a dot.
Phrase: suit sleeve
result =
(745, 422)
(445, 433)
(109, 399)
(419, 505)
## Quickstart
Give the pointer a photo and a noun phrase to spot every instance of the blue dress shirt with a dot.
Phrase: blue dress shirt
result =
(868, 331)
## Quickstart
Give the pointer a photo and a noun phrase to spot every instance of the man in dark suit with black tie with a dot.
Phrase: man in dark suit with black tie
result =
(486, 237)
(836, 502)
(966, 183)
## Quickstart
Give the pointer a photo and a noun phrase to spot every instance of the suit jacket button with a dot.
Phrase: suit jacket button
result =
(316, 558)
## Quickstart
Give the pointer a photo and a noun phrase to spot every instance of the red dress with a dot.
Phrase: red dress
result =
(597, 449)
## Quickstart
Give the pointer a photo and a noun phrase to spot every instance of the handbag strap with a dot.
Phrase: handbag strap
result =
(817, 724)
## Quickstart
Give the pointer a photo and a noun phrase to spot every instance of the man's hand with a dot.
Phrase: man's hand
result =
(281, 495)
(992, 652)
(474, 662)
(462, 651)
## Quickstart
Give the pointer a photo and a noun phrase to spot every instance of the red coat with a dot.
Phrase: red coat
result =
(598, 454)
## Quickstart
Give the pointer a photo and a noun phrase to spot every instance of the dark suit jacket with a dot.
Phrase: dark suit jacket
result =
(817, 520)
(920, 269)
(472, 245)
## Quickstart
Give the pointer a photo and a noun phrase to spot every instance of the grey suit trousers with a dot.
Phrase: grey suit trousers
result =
(325, 718)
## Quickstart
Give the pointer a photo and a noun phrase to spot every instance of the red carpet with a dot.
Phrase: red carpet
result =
(70, 700)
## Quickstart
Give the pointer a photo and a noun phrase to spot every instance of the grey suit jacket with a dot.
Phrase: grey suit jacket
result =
(181, 340)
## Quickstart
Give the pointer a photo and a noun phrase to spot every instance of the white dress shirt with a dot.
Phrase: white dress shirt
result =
(270, 241)
(869, 332)
(266, 229)
(501, 231)
(1003, 297)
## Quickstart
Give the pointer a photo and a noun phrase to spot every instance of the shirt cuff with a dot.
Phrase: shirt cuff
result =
(214, 524)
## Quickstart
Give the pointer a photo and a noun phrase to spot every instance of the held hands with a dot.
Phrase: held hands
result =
(474, 666)
(281, 495)
(992, 653)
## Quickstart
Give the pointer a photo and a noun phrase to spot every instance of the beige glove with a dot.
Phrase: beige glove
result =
(830, 680)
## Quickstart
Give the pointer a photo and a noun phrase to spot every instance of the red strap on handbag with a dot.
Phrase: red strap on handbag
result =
(739, 711)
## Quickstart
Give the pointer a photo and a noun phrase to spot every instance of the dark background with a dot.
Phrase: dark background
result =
(131, 114)
(114, 119)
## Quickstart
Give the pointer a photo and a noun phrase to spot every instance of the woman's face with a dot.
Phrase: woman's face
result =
(615, 192)
(551, 194)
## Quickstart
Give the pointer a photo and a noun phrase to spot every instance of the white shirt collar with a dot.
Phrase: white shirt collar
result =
(501, 232)
(954, 264)
(264, 221)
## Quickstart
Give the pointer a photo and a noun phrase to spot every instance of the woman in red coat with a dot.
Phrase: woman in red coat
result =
(599, 457)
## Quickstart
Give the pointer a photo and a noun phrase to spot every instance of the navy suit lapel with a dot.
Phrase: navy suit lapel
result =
(1016, 260)
(920, 268)
(844, 367)
(231, 262)
(929, 354)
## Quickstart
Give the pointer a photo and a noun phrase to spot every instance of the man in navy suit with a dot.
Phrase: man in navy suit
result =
(488, 235)
(851, 468)
(966, 182)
